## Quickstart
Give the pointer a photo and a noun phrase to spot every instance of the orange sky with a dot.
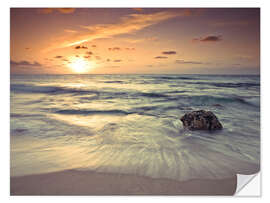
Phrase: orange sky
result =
(139, 41)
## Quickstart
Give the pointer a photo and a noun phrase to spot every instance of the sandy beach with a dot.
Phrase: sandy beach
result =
(72, 182)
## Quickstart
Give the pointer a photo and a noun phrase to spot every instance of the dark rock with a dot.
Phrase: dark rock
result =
(201, 120)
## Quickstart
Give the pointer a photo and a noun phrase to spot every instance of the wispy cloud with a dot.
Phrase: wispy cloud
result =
(81, 47)
(24, 63)
(127, 24)
(161, 57)
(61, 10)
(243, 57)
(137, 9)
(117, 60)
(89, 53)
(139, 40)
(130, 49)
(209, 38)
(114, 49)
(230, 23)
(119, 48)
(181, 61)
(70, 31)
(169, 52)
(58, 57)
(236, 64)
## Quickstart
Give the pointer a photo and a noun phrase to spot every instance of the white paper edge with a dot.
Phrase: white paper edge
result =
(248, 185)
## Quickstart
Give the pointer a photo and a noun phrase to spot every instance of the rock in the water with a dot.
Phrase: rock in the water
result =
(201, 120)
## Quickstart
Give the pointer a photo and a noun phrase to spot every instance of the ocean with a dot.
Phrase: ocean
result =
(129, 124)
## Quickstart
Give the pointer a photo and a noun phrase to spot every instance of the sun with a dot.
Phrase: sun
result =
(80, 65)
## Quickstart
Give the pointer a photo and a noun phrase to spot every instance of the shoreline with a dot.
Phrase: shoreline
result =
(74, 182)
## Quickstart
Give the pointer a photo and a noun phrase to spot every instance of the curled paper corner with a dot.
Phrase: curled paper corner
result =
(248, 185)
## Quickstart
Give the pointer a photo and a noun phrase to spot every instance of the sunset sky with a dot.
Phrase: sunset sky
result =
(139, 41)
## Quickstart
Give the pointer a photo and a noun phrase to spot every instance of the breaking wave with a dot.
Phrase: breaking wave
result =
(130, 124)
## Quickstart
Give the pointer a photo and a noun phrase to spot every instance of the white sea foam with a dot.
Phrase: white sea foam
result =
(130, 124)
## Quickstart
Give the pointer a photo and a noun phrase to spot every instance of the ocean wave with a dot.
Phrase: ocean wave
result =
(174, 78)
(17, 115)
(227, 85)
(210, 100)
(18, 131)
(91, 112)
(94, 94)
(54, 90)
(116, 81)
(144, 108)
(26, 88)
(253, 101)
(100, 127)
(176, 92)
(152, 94)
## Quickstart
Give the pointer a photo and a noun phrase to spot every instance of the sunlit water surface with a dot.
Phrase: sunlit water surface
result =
(130, 124)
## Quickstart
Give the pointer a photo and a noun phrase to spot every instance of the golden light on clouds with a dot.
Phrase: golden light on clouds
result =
(61, 10)
(76, 43)
(128, 24)
(134, 40)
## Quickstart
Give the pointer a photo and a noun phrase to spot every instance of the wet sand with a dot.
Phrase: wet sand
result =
(73, 182)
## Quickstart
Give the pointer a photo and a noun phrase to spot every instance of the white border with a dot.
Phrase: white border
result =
(136, 3)
(4, 78)
(250, 185)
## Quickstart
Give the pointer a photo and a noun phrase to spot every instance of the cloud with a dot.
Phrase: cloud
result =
(230, 23)
(194, 12)
(66, 10)
(117, 60)
(127, 24)
(210, 38)
(161, 57)
(58, 57)
(60, 10)
(24, 63)
(89, 53)
(129, 40)
(130, 49)
(114, 49)
(180, 61)
(70, 31)
(105, 67)
(137, 9)
(119, 49)
(243, 57)
(169, 52)
(81, 47)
